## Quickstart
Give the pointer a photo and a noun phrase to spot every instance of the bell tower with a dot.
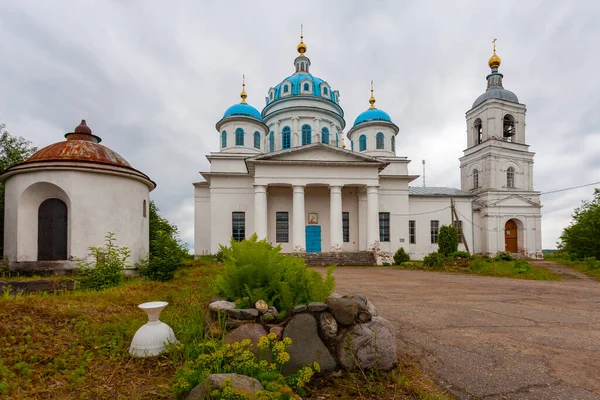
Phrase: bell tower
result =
(497, 167)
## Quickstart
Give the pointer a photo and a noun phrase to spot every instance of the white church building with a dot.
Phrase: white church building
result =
(287, 175)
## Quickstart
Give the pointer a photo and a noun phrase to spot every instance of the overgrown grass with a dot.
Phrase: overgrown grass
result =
(518, 269)
(589, 266)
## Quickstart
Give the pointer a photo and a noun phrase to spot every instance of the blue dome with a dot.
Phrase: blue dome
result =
(243, 109)
(372, 114)
(297, 79)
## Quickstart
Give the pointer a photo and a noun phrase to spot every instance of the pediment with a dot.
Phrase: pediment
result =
(515, 200)
(316, 152)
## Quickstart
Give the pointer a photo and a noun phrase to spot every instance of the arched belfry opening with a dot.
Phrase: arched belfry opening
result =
(478, 131)
(52, 230)
(508, 128)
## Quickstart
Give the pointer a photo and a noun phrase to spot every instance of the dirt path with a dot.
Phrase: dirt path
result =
(492, 338)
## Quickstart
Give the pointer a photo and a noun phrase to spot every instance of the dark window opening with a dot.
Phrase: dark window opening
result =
(384, 226)
(238, 225)
(508, 129)
(435, 229)
(510, 177)
(282, 227)
(412, 232)
(478, 131)
(346, 227)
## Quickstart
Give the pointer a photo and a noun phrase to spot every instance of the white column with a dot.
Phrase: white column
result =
(298, 223)
(260, 211)
(372, 216)
(335, 217)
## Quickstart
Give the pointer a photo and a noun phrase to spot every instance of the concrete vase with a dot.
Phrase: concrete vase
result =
(152, 338)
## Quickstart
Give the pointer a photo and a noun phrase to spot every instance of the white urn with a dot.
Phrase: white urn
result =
(152, 338)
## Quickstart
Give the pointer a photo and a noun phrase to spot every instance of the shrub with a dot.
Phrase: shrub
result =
(434, 260)
(460, 254)
(522, 267)
(478, 264)
(254, 268)
(401, 256)
(108, 265)
(447, 240)
(503, 256)
(592, 263)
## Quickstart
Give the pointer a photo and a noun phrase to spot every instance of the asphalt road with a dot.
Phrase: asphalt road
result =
(491, 338)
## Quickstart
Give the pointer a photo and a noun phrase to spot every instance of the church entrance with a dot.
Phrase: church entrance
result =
(313, 238)
(511, 236)
(52, 230)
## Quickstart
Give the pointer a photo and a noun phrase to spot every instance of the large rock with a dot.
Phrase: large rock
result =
(307, 347)
(213, 381)
(364, 304)
(249, 331)
(244, 313)
(328, 330)
(369, 346)
(344, 311)
(221, 306)
(317, 307)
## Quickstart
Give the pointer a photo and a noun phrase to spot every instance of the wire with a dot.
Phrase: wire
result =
(571, 188)
(423, 213)
(473, 223)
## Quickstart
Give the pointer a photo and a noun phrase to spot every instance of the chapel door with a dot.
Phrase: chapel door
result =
(313, 238)
(510, 236)
(52, 230)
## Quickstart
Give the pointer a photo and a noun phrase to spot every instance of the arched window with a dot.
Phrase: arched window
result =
(325, 135)
(352, 145)
(271, 141)
(271, 95)
(325, 91)
(510, 177)
(144, 208)
(285, 88)
(393, 144)
(306, 87)
(223, 139)
(362, 143)
(239, 137)
(508, 130)
(379, 140)
(306, 134)
(478, 131)
(475, 178)
(337, 140)
(256, 140)
(286, 138)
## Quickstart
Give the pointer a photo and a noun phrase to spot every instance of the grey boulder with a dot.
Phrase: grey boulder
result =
(249, 331)
(214, 381)
(343, 310)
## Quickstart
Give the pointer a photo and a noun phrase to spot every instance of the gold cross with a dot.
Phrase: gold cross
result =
(494, 41)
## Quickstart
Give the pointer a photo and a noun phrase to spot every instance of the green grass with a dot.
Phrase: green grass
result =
(589, 266)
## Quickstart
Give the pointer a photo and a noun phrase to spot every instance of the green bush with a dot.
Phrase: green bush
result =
(522, 267)
(255, 269)
(478, 264)
(503, 256)
(108, 265)
(460, 254)
(592, 263)
(401, 256)
(434, 260)
(448, 240)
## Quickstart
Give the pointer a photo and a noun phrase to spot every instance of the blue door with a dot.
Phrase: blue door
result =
(313, 239)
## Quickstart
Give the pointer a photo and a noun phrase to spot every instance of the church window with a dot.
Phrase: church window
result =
(412, 232)
(306, 134)
(508, 130)
(346, 227)
(144, 208)
(223, 139)
(282, 227)
(435, 229)
(379, 140)
(238, 225)
(271, 95)
(384, 226)
(271, 141)
(394, 144)
(352, 145)
(510, 177)
(362, 143)
(475, 178)
(286, 138)
(325, 91)
(337, 140)
(257, 140)
(285, 88)
(302, 67)
(239, 137)
(478, 130)
(325, 135)
(306, 87)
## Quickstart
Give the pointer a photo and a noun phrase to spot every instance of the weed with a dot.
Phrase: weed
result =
(108, 265)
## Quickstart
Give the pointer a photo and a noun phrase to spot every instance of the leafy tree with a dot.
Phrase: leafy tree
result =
(167, 251)
(447, 240)
(581, 239)
(13, 150)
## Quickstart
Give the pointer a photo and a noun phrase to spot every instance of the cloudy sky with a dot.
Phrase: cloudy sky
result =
(153, 77)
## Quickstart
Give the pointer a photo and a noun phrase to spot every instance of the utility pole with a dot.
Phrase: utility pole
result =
(454, 217)
(423, 161)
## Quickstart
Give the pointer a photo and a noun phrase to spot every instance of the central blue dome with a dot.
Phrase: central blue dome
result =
(243, 109)
(372, 114)
(296, 81)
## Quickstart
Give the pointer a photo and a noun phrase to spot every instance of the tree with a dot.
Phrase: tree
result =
(13, 150)
(167, 251)
(447, 240)
(582, 238)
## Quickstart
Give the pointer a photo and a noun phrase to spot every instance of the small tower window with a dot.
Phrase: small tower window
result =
(393, 144)
(337, 140)
(478, 131)
(144, 208)
(325, 91)
(352, 145)
(362, 143)
(379, 140)
(510, 177)
(306, 87)
(271, 142)
(271, 95)
(302, 67)
(256, 140)
(286, 138)
(223, 139)
(475, 178)
(239, 137)
(285, 88)
(508, 130)
(325, 135)
(306, 134)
